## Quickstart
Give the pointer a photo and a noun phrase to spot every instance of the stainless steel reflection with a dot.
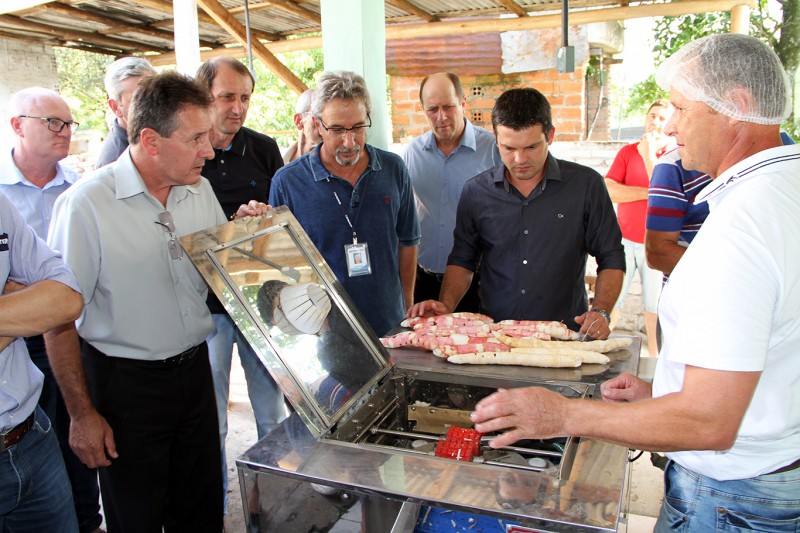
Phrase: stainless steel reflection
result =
(368, 420)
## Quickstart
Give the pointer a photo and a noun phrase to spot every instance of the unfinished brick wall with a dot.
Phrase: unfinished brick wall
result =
(565, 92)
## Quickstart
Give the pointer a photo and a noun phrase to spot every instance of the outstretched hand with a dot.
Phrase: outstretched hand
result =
(428, 308)
(625, 388)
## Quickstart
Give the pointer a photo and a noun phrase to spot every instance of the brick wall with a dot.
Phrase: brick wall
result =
(565, 92)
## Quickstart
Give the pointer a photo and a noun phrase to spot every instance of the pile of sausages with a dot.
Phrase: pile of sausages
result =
(472, 338)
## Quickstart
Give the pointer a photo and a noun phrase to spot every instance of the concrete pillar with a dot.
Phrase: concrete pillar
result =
(354, 38)
(740, 19)
(187, 36)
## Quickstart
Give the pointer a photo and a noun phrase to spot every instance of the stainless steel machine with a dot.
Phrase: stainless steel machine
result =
(367, 420)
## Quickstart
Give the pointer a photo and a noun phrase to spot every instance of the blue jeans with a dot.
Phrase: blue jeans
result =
(693, 502)
(35, 494)
(265, 396)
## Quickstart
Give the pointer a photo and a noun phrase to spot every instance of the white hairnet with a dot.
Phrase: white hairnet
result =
(709, 69)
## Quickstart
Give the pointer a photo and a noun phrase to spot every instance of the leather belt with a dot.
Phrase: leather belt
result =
(177, 360)
(787, 468)
(15, 434)
(425, 271)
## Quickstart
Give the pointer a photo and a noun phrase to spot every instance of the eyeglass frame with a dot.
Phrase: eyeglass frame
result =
(72, 125)
(167, 223)
(340, 132)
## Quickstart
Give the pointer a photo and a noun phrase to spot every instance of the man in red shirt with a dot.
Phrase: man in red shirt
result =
(628, 180)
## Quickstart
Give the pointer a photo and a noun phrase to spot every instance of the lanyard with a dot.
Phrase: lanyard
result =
(344, 211)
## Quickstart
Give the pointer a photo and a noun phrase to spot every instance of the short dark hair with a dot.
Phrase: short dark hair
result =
(158, 100)
(519, 109)
(208, 70)
(661, 102)
(453, 78)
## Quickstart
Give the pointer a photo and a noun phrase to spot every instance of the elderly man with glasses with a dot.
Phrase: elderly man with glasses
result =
(142, 400)
(32, 177)
(356, 203)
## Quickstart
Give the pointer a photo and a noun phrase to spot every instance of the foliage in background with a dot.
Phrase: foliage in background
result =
(672, 33)
(80, 83)
(272, 105)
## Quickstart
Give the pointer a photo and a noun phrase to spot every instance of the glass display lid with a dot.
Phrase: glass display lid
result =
(294, 313)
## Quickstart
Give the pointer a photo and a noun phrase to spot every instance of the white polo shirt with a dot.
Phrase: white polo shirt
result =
(733, 304)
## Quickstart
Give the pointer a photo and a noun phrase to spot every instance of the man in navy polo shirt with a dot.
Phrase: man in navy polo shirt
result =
(356, 203)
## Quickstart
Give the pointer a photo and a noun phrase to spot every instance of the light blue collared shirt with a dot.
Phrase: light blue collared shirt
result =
(26, 259)
(438, 181)
(34, 204)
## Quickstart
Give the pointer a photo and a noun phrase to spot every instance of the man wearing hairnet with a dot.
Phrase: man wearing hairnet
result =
(724, 400)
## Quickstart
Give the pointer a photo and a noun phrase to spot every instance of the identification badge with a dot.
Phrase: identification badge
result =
(357, 255)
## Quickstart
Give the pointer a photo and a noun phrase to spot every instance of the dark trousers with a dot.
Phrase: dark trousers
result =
(164, 417)
(428, 285)
(83, 480)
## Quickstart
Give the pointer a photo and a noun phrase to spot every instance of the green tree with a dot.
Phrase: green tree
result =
(783, 35)
(80, 83)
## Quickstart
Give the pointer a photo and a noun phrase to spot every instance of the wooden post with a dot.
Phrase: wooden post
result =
(740, 19)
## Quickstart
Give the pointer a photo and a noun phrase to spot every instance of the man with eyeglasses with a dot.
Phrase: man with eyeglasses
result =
(141, 396)
(32, 177)
(242, 168)
(309, 135)
(355, 201)
(440, 162)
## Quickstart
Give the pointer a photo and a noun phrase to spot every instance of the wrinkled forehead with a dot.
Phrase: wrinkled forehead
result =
(343, 112)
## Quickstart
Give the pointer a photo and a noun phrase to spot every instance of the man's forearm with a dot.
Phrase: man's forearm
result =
(38, 308)
(455, 284)
(407, 261)
(662, 254)
(621, 194)
(607, 287)
(64, 353)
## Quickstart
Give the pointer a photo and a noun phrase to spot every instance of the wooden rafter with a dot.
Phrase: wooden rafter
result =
(514, 7)
(62, 33)
(286, 5)
(15, 6)
(115, 25)
(408, 7)
(232, 25)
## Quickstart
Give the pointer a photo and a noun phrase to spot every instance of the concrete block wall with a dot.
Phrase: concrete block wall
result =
(23, 65)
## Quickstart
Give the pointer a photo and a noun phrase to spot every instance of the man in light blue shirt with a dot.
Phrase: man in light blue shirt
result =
(439, 163)
(37, 292)
(32, 177)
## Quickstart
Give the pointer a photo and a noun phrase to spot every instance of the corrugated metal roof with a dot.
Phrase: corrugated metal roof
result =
(124, 27)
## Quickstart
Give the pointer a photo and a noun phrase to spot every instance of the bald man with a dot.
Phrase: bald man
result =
(32, 177)
(439, 162)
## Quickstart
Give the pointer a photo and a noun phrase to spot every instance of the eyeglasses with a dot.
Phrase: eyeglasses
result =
(338, 131)
(168, 224)
(56, 124)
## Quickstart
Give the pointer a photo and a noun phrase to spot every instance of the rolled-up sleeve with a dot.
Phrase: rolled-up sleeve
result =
(603, 235)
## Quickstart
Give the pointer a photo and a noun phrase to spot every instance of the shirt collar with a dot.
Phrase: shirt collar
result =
(320, 173)
(552, 172)
(237, 146)
(128, 182)
(467, 139)
(63, 174)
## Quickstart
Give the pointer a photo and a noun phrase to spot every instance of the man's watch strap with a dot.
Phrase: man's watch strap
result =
(602, 312)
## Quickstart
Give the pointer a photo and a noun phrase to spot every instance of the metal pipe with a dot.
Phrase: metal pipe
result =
(249, 45)
(564, 22)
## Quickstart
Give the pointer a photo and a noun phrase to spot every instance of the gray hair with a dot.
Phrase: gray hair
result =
(22, 100)
(339, 84)
(712, 69)
(122, 69)
(304, 101)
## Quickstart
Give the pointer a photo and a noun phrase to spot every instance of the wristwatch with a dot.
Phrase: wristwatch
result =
(602, 312)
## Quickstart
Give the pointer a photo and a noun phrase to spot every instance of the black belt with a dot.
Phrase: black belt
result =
(169, 362)
(430, 273)
(15, 434)
(787, 468)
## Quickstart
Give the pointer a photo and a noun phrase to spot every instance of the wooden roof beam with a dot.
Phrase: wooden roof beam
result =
(237, 31)
(286, 5)
(15, 6)
(408, 7)
(62, 33)
(514, 7)
(166, 7)
(115, 25)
